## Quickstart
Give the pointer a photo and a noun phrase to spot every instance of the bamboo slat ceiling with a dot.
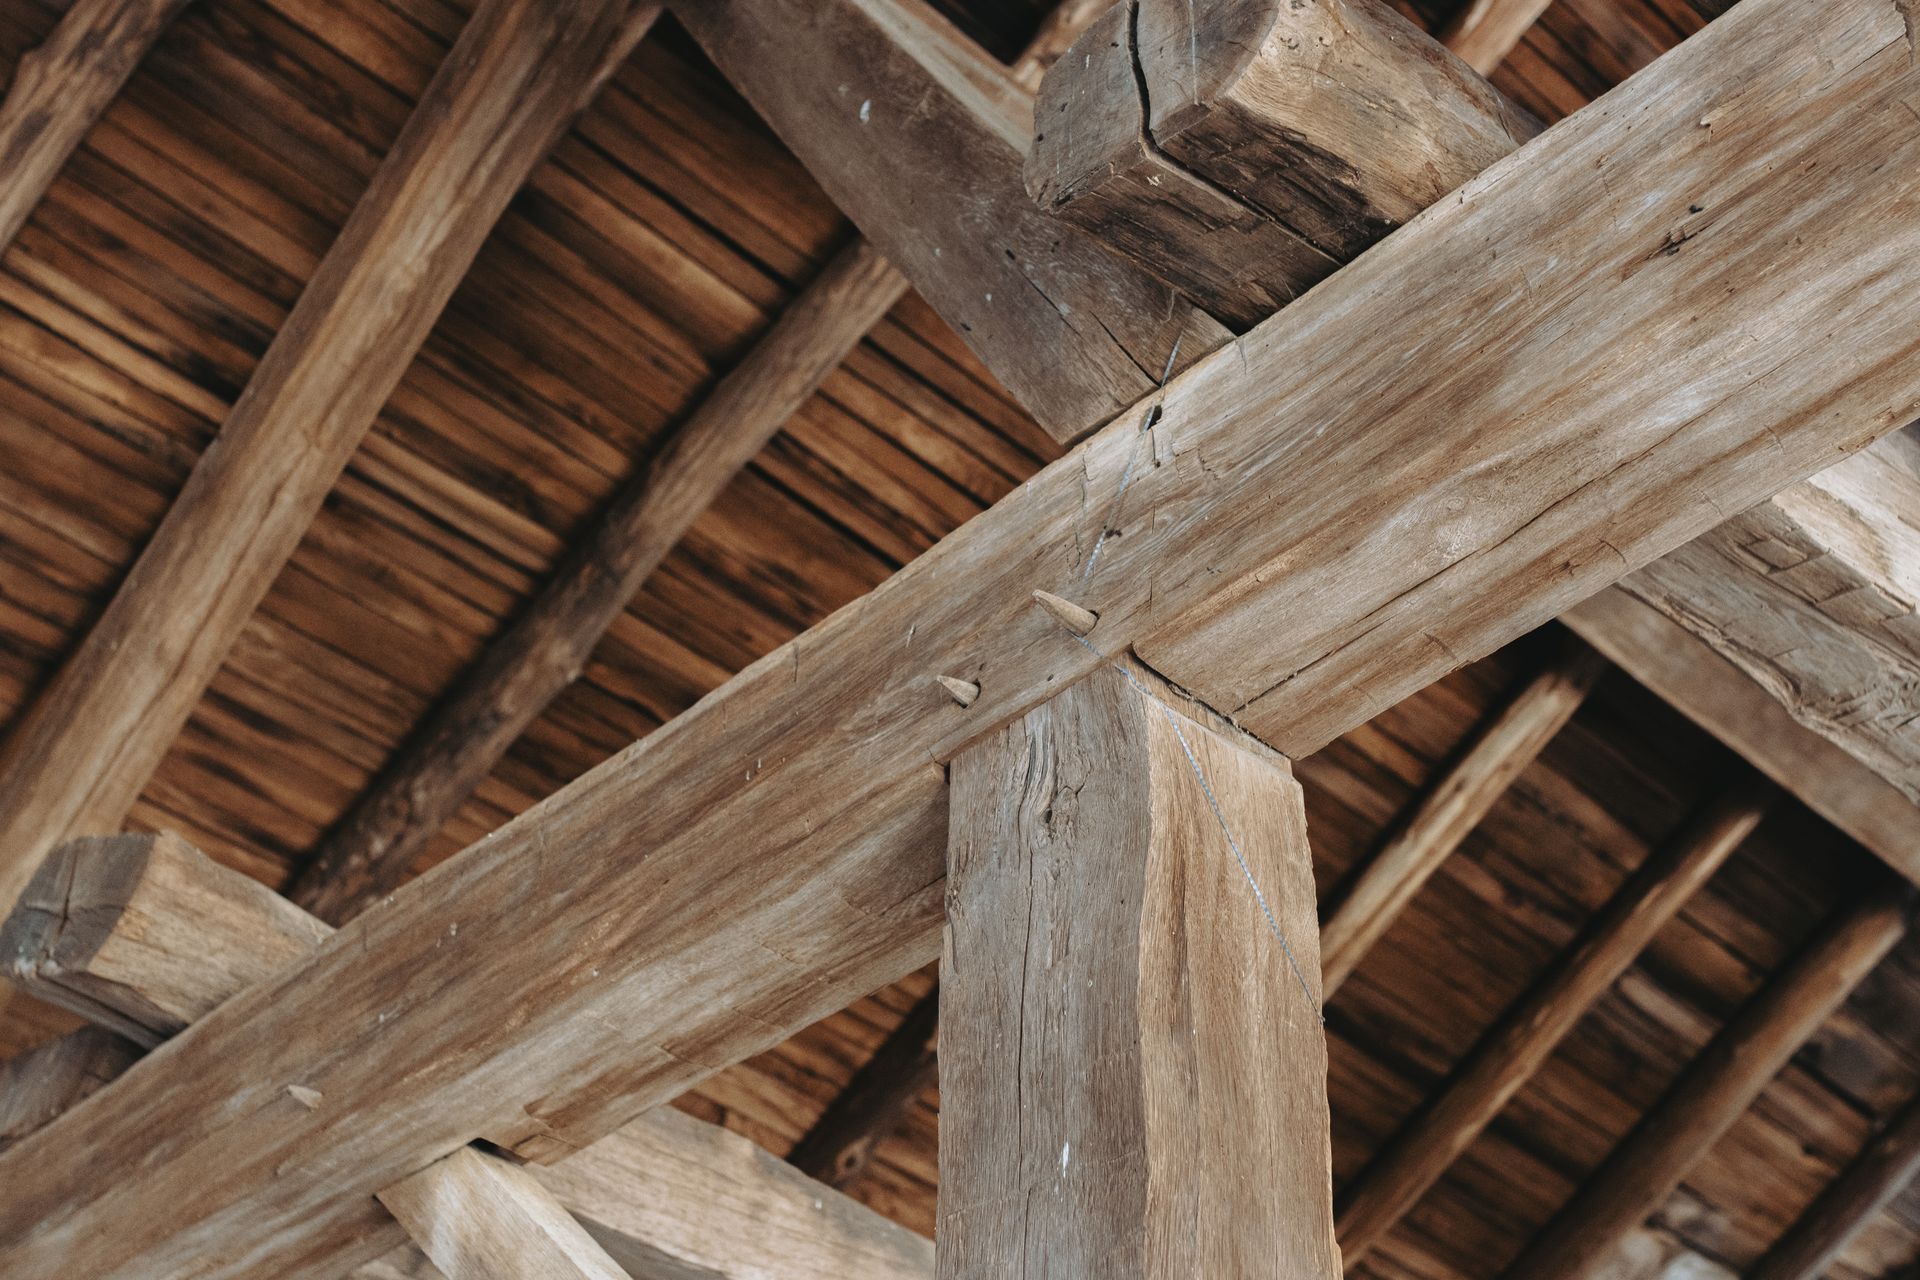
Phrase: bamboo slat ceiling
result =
(643, 259)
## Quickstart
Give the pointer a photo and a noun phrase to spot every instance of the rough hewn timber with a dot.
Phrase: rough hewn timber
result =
(1318, 524)
(841, 1142)
(60, 88)
(479, 1217)
(920, 138)
(518, 74)
(41, 1083)
(1126, 1039)
(1242, 149)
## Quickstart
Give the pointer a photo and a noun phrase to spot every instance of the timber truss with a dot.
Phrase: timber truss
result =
(1655, 348)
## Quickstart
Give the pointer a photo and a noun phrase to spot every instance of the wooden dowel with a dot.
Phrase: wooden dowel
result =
(1509, 1055)
(1714, 1091)
(1452, 806)
(1890, 1163)
(836, 1150)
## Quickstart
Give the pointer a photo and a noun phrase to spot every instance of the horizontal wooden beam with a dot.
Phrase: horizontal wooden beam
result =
(1316, 525)
(1452, 806)
(920, 138)
(666, 1192)
(1526, 1035)
(518, 74)
(1689, 676)
(1243, 149)
(1714, 1091)
(1888, 1166)
(61, 87)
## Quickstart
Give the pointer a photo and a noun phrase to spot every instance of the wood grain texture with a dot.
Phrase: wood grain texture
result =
(62, 87)
(1318, 539)
(1132, 1072)
(836, 1149)
(1888, 1166)
(1453, 806)
(1243, 149)
(1722, 699)
(42, 1083)
(144, 934)
(1713, 1092)
(1815, 594)
(480, 1218)
(518, 75)
(1483, 32)
(920, 139)
(374, 847)
(1512, 1052)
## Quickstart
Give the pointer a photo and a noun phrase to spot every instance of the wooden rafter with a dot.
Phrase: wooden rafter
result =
(841, 1142)
(1888, 1166)
(479, 1217)
(518, 74)
(1484, 32)
(1318, 526)
(62, 87)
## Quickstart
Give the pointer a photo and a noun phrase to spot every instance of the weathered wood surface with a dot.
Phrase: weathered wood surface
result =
(1713, 1092)
(1453, 806)
(920, 139)
(1323, 533)
(1242, 149)
(1722, 699)
(60, 89)
(1509, 1054)
(1888, 1166)
(479, 1217)
(1815, 594)
(734, 1212)
(374, 847)
(42, 1083)
(1126, 1042)
(519, 73)
(143, 934)
(1484, 32)
(667, 1195)
(836, 1149)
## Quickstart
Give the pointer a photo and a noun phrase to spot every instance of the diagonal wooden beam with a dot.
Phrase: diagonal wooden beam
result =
(60, 88)
(1483, 32)
(1715, 1091)
(668, 1194)
(1453, 806)
(479, 1217)
(841, 1142)
(1317, 524)
(920, 139)
(1888, 1166)
(518, 74)
(1526, 1036)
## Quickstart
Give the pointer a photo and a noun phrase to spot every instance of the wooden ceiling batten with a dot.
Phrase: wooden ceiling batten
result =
(61, 88)
(517, 76)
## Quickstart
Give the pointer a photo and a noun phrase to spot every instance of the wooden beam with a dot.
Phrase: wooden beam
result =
(1714, 1091)
(144, 934)
(372, 849)
(1526, 1036)
(1815, 594)
(666, 1194)
(1888, 1166)
(518, 74)
(1483, 32)
(1317, 524)
(1723, 700)
(1453, 805)
(60, 88)
(919, 138)
(1056, 34)
(480, 1218)
(841, 1142)
(1125, 1036)
(1242, 149)
(41, 1083)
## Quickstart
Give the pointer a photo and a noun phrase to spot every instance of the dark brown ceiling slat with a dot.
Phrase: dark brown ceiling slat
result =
(1888, 1166)
(92, 741)
(841, 1142)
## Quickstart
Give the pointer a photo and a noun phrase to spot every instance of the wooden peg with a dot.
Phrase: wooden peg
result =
(1071, 616)
(963, 692)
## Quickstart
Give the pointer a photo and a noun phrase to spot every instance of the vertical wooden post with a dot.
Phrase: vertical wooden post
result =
(1133, 1071)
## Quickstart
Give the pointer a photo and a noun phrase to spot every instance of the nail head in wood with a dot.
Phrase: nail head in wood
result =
(1072, 616)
